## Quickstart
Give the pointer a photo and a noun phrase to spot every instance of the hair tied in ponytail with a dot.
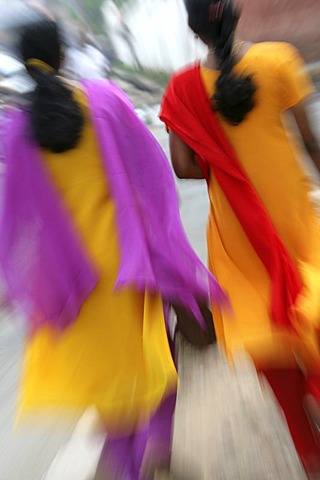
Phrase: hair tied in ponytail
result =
(215, 21)
(56, 118)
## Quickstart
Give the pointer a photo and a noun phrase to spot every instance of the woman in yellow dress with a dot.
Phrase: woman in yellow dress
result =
(93, 250)
(225, 122)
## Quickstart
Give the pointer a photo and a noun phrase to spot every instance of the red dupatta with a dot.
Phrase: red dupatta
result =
(187, 111)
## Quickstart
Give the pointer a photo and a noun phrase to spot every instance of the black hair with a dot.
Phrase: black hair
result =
(216, 20)
(56, 118)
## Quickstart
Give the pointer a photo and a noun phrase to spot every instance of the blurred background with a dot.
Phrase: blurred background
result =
(140, 42)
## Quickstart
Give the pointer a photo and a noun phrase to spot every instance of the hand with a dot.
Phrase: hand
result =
(190, 328)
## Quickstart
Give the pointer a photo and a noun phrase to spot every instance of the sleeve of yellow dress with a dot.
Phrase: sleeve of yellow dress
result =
(295, 82)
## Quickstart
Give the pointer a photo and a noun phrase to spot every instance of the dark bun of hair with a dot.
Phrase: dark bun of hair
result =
(234, 97)
(56, 118)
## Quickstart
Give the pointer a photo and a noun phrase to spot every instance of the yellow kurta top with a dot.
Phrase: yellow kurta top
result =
(270, 159)
(116, 355)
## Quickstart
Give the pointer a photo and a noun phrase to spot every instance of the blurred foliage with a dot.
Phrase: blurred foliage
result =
(86, 12)
(93, 6)
(92, 9)
(158, 77)
(121, 3)
(92, 12)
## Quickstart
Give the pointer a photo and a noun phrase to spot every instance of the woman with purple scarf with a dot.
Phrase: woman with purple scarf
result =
(93, 251)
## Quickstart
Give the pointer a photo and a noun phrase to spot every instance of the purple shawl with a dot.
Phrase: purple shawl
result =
(45, 267)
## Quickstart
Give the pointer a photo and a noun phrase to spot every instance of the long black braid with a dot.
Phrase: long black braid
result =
(217, 20)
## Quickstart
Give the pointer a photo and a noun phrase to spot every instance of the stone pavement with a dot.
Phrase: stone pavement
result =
(227, 428)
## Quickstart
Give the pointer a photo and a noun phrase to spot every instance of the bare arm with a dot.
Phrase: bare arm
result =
(183, 159)
(310, 142)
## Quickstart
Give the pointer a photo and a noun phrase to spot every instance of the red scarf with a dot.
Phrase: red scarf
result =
(186, 110)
